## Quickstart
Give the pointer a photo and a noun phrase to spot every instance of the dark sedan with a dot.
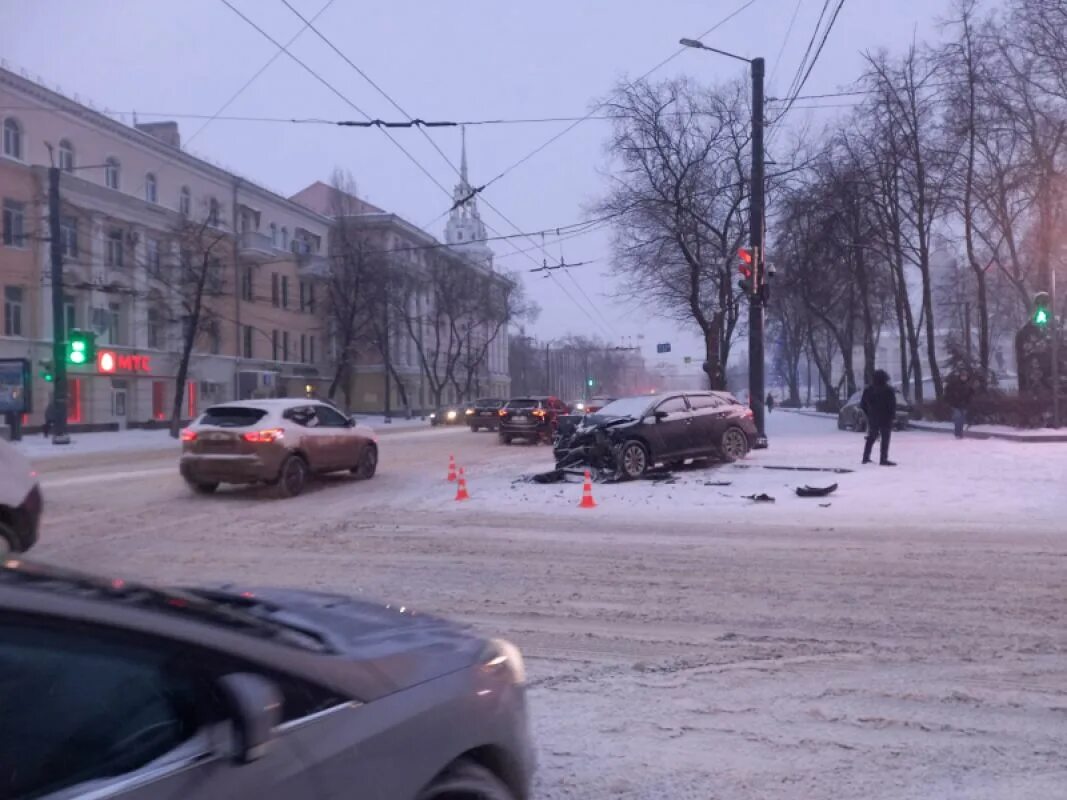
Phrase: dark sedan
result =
(114, 689)
(484, 413)
(448, 415)
(631, 435)
(852, 418)
(535, 419)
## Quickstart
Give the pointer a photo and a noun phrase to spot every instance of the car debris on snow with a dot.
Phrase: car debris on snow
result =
(816, 491)
(762, 497)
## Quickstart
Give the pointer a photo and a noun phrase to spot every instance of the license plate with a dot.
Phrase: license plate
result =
(217, 437)
(486, 413)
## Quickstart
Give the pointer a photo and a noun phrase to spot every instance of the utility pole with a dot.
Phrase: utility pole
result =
(387, 343)
(1054, 324)
(758, 297)
(59, 334)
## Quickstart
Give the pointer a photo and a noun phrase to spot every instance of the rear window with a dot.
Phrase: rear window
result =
(232, 416)
(526, 402)
(489, 401)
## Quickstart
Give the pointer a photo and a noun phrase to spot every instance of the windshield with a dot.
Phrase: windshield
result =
(626, 407)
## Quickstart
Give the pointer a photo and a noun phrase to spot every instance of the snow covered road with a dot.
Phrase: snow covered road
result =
(906, 641)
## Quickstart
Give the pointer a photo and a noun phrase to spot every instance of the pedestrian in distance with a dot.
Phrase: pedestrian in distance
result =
(879, 403)
(49, 418)
(770, 402)
(958, 394)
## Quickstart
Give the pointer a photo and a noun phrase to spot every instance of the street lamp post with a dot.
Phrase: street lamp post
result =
(758, 293)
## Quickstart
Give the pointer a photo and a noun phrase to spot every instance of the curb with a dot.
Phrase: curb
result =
(1037, 438)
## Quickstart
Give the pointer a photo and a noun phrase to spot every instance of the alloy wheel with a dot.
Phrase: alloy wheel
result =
(634, 460)
(734, 445)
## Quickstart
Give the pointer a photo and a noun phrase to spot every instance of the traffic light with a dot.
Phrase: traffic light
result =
(46, 371)
(1041, 314)
(590, 382)
(81, 347)
(745, 268)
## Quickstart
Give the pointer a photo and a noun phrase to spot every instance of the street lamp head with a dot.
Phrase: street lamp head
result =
(691, 43)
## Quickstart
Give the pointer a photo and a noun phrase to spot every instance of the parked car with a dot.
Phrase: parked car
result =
(631, 435)
(116, 689)
(531, 418)
(852, 418)
(20, 502)
(448, 415)
(484, 413)
(281, 442)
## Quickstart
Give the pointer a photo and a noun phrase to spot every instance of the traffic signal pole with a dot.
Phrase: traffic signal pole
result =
(759, 276)
(59, 359)
(1054, 324)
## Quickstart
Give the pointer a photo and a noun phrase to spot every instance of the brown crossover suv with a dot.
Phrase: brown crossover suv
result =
(279, 442)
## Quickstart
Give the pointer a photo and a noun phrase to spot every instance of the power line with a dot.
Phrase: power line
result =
(815, 58)
(807, 50)
(399, 108)
(785, 39)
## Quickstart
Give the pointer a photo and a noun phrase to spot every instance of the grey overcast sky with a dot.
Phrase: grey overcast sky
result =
(459, 60)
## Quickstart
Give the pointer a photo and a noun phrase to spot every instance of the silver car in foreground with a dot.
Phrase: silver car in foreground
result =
(111, 689)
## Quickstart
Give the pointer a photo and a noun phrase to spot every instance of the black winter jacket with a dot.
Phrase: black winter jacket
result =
(879, 403)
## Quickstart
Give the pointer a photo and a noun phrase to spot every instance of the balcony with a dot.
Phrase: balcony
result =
(255, 246)
(310, 264)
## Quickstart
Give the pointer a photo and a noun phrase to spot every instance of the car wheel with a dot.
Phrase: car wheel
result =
(203, 488)
(291, 477)
(466, 780)
(734, 444)
(633, 459)
(505, 439)
(368, 463)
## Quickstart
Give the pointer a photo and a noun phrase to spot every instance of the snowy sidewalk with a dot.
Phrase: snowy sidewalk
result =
(1028, 435)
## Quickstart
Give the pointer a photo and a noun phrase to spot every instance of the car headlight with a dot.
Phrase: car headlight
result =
(470, 411)
(451, 415)
(433, 415)
(503, 655)
(579, 406)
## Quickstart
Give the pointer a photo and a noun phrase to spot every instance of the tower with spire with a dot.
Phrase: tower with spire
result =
(465, 230)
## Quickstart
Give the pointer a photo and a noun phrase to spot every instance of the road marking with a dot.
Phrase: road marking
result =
(105, 477)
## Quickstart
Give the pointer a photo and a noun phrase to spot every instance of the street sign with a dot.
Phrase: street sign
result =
(663, 347)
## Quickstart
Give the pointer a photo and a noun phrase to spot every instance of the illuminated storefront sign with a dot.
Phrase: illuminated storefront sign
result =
(108, 362)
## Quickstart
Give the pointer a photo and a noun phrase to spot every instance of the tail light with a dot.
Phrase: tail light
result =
(502, 412)
(264, 437)
(750, 413)
(188, 435)
(540, 412)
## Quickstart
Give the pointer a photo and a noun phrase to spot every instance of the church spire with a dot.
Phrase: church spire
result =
(463, 157)
(465, 230)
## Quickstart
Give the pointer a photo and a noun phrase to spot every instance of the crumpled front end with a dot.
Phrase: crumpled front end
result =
(591, 447)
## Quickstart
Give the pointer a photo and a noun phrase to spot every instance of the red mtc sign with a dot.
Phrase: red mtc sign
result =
(109, 362)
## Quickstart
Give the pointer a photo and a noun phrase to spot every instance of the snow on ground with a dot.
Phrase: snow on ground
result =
(940, 481)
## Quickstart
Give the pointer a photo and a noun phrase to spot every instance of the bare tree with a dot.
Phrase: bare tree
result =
(679, 198)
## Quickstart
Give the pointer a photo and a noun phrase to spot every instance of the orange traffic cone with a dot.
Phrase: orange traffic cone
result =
(587, 493)
(461, 489)
(451, 469)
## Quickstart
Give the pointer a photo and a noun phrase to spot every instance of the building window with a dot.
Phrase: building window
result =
(111, 173)
(311, 349)
(185, 201)
(159, 399)
(13, 296)
(115, 249)
(70, 313)
(14, 224)
(246, 284)
(114, 324)
(12, 138)
(151, 190)
(285, 345)
(68, 236)
(274, 344)
(303, 348)
(152, 255)
(273, 234)
(285, 291)
(155, 329)
(274, 289)
(246, 348)
(66, 155)
(285, 238)
(213, 212)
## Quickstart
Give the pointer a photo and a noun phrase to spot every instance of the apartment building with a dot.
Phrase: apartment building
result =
(137, 214)
(422, 331)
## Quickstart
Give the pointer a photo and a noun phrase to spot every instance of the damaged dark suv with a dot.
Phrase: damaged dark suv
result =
(628, 437)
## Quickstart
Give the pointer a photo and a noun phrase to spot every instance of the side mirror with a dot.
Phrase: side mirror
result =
(254, 706)
(351, 422)
(660, 415)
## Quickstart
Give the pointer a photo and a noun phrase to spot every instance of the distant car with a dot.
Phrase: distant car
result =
(122, 690)
(484, 413)
(852, 418)
(448, 415)
(280, 442)
(531, 418)
(20, 502)
(633, 434)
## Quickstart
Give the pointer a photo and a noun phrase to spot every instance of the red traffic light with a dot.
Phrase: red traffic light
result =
(745, 267)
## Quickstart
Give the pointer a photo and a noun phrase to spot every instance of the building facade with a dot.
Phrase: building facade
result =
(440, 347)
(138, 214)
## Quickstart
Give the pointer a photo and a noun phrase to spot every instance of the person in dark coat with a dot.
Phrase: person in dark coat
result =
(879, 403)
(49, 418)
(958, 394)
(770, 402)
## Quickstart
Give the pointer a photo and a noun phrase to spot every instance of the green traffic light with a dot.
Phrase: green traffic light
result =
(77, 357)
(1041, 317)
(590, 381)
